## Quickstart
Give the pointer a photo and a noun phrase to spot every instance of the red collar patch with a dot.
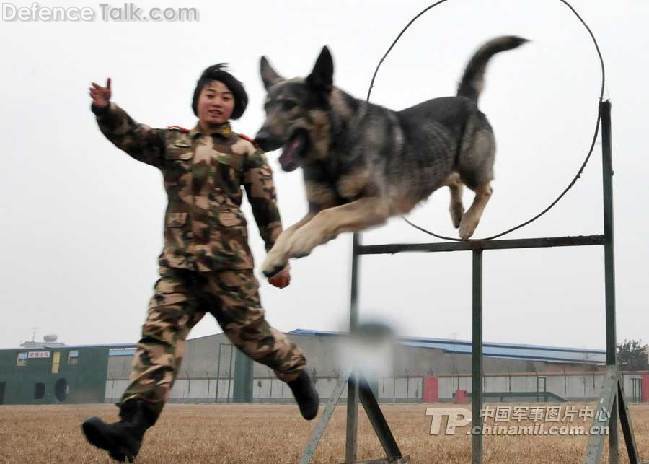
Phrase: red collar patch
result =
(251, 140)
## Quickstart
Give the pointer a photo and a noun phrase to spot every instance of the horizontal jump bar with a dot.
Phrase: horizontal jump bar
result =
(543, 242)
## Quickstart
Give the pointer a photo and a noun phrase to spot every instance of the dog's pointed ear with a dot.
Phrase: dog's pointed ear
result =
(321, 78)
(268, 75)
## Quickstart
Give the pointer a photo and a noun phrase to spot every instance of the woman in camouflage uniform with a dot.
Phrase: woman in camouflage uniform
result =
(206, 264)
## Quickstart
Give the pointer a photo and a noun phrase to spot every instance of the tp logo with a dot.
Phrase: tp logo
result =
(457, 417)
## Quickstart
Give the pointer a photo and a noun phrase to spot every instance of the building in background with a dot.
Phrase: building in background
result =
(53, 374)
(417, 370)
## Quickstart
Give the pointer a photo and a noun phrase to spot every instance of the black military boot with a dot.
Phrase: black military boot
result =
(305, 395)
(121, 439)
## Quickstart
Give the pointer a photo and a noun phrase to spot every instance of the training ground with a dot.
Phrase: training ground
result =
(270, 434)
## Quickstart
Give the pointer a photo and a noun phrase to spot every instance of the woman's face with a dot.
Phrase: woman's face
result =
(215, 104)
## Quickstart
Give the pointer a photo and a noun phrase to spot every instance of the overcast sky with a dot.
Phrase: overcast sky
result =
(82, 222)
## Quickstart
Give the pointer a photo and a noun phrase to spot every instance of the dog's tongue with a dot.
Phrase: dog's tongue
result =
(288, 159)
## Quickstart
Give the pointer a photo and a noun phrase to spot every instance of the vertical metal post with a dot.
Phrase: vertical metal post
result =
(352, 384)
(476, 358)
(353, 298)
(609, 265)
(609, 268)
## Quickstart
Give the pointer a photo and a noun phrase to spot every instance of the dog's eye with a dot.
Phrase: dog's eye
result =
(288, 105)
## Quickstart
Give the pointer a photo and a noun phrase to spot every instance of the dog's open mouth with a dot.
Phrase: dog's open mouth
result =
(293, 150)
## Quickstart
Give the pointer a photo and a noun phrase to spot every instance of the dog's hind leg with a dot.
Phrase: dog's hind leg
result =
(456, 208)
(329, 223)
(472, 217)
(277, 256)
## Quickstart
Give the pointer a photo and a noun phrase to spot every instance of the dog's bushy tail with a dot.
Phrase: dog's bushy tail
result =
(472, 81)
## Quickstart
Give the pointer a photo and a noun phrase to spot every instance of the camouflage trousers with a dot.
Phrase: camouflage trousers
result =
(181, 299)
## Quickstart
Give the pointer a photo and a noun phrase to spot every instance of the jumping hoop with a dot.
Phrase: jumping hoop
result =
(579, 171)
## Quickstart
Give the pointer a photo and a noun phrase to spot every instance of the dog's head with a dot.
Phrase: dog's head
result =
(297, 113)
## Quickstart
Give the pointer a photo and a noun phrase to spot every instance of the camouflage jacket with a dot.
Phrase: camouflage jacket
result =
(203, 173)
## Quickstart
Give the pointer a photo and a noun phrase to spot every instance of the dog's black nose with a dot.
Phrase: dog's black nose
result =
(263, 139)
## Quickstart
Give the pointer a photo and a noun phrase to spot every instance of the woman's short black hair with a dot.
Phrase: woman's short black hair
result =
(217, 72)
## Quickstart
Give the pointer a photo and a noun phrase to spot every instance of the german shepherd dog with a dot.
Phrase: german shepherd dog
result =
(363, 163)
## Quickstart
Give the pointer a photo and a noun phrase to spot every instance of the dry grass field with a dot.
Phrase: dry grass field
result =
(272, 434)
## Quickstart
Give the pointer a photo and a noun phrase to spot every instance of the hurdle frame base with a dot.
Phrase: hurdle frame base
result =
(374, 414)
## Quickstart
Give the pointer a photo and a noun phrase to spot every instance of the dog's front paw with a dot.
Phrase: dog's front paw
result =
(273, 263)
